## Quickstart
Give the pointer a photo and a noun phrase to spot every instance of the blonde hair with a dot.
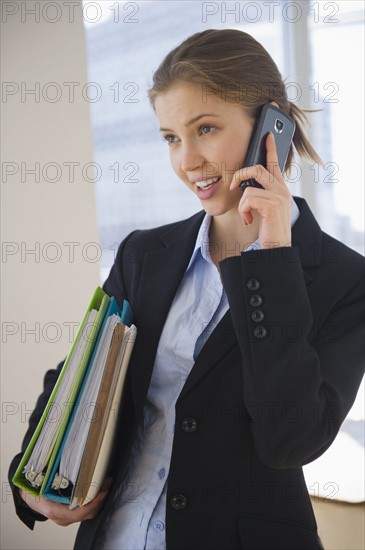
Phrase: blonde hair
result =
(232, 65)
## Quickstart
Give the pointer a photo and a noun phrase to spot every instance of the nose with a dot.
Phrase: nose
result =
(191, 157)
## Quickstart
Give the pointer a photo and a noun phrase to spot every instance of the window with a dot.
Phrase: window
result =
(336, 34)
(136, 185)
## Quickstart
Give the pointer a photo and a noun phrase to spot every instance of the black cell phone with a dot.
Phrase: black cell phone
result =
(270, 119)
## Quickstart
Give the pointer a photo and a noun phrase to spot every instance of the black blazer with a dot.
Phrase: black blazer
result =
(267, 393)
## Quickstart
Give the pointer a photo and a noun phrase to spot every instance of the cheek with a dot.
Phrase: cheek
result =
(174, 161)
(236, 154)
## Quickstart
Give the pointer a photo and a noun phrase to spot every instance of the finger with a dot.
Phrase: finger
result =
(250, 202)
(272, 209)
(257, 172)
(60, 513)
(249, 195)
(99, 497)
(80, 513)
(272, 162)
(246, 217)
(250, 183)
(107, 484)
(92, 511)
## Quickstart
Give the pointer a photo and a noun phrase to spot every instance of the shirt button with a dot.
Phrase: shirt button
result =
(159, 526)
(189, 424)
(260, 332)
(253, 284)
(161, 473)
(257, 315)
(179, 502)
(256, 300)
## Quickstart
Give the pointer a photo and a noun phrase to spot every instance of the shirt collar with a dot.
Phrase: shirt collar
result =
(202, 240)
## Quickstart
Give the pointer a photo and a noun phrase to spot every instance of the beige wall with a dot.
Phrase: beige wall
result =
(341, 525)
(36, 289)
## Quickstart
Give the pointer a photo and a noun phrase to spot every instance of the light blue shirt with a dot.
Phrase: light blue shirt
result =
(139, 519)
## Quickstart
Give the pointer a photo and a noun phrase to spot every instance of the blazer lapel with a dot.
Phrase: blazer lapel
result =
(162, 271)
(219, 343)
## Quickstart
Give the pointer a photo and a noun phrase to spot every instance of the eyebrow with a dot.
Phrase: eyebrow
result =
(190, 122)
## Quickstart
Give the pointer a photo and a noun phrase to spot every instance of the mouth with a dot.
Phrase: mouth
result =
(205, 184)
(205, 189)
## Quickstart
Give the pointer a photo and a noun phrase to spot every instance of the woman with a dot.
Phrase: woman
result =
(250, 328)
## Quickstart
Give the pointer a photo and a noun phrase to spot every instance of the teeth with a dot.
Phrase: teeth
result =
(204, 183)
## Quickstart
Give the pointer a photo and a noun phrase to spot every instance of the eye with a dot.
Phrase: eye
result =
(206, 128)
(170, 138)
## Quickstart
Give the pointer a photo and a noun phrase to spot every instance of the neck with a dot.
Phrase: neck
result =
(228, 235)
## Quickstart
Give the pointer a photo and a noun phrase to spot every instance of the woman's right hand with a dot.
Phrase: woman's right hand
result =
(60, 513)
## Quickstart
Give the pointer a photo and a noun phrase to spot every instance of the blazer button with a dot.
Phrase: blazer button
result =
(260, 332)
(179, 502)
(256, 300)
(189, 425)
(257, 315)
(253, 284)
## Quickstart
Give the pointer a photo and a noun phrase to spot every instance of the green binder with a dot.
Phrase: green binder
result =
(34, 482)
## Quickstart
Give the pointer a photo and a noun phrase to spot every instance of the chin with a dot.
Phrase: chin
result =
(218, 209)
(212, 211)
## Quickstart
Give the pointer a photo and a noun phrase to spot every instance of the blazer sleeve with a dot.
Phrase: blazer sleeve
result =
(302, 353)
(113, 286)
(24, 512)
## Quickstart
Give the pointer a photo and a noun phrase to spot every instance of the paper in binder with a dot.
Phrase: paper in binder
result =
(60, 448)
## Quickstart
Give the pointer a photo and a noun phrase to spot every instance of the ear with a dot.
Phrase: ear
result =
(275, 104)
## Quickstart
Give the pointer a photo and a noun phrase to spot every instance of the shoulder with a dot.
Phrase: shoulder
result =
(318, 248)
(145, 240)
(332, 247)
(332, 269)
(138, 247)
(142, 242)
(342, 271)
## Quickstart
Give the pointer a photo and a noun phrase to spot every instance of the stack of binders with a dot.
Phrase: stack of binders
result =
(68, 456)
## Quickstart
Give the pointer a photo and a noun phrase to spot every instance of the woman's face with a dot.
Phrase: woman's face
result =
(208, 140)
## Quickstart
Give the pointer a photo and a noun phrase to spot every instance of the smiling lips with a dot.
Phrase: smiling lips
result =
(205, 189)
(204, 184)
